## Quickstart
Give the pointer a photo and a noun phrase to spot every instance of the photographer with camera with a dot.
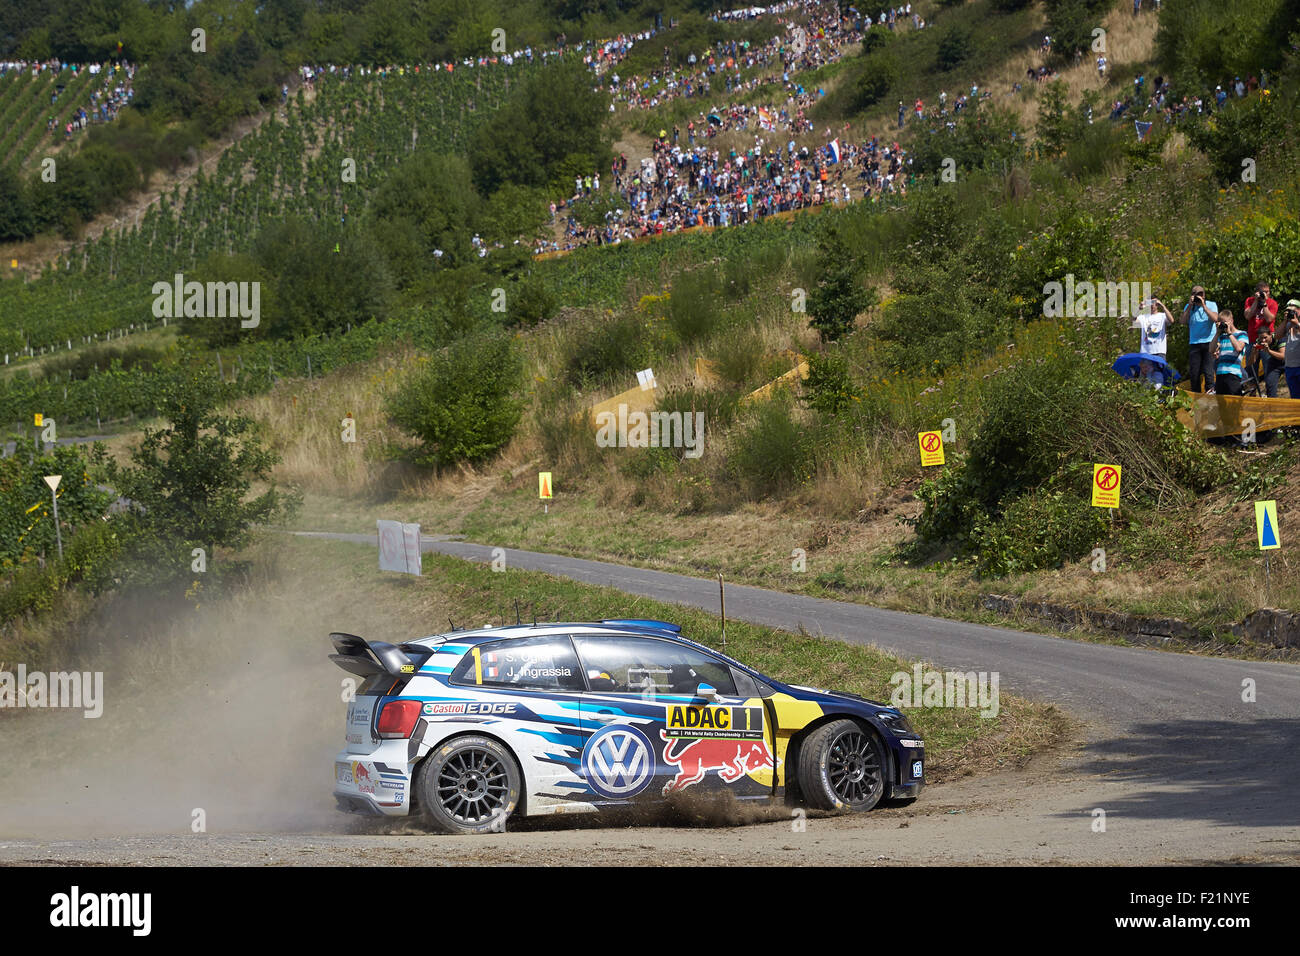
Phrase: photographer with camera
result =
(1261, 311)
(1229, 353)
(1285, 346)
(1200, 317)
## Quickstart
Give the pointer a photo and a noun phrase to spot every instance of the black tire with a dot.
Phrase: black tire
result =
(841, 767)
(468, 785)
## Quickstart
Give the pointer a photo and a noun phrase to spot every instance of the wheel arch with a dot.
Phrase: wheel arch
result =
(792, 794)
(521, 809)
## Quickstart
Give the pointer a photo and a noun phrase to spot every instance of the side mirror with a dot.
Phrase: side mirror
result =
(707, 691)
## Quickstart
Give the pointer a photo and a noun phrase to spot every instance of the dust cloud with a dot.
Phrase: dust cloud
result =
(232, 709)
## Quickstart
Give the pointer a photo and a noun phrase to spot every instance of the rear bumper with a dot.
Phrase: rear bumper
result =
(368, 784)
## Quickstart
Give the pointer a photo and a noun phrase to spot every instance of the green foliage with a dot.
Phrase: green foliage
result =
(695, 304)
(983, 137)
(839, 296)
(955, 48)
(607, 348)
(1055, 128)
(1070, 23)
(772, 452)
(1243, 133)
(551, 128)
(1229, 262)
(189, 481)
(877, 80)
(81, 364)
(1019, 499)
(1040, 530)
(462, 403)
(26, 508)
(89, 558)
(1202, 39)
(829, 387)
(427, 204)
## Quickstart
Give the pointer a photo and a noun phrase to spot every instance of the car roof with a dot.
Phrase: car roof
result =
(611, 627)
(608, 628)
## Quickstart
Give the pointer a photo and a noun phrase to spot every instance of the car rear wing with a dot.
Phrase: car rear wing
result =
(367, 659)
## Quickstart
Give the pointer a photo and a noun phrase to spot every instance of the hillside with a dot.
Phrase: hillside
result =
(389, 217)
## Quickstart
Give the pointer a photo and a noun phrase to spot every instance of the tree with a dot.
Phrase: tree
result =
(423, 216)
(189, 482)
(551, 128)
(838, 296)
(461, 403)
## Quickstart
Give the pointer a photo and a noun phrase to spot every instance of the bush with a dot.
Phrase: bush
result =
(607, 348)
(876, 81)
(461, 403)
(829, 388)
(955, 48)
(694, 304)
(190, 481)
(772, 453)
(1041, 530)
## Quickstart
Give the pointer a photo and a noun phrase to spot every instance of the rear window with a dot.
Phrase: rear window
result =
(528, 663)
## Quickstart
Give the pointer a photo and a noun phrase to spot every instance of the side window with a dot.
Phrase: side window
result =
(529, 663)
(639, 665)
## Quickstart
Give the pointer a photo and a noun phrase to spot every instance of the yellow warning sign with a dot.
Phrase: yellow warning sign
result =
(1266, 525)
(40, 419)
(544, 485)
(931, 448)
(1105, 486)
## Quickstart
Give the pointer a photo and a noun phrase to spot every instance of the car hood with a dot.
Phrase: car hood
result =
(821, 693)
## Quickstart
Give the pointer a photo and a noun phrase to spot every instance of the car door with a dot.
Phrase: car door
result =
(527, 691)
(653, 734)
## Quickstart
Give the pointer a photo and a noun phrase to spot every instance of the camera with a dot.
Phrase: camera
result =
(1223, 328)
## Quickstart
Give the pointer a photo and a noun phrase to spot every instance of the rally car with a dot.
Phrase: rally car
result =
(471, 727)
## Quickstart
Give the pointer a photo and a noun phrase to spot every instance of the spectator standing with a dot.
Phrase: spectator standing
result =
(1291, 346)
(1200, 317)
(1155, 328)
(1229, 352)
(1261, 313)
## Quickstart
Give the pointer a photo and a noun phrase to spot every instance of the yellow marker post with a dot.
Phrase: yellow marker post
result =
(1266, 525)
(931, 448)
(1266, 534)
(40, 419)
(544, 491)
(1105, 485)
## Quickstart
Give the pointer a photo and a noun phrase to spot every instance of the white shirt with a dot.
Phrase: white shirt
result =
(1154, 336)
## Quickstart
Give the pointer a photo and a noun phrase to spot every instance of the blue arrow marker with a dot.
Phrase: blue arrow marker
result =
(1267, 538)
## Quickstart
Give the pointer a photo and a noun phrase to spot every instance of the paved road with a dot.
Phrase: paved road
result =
(1173, 728)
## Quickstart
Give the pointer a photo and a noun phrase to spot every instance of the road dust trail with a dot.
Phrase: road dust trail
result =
(233, 709)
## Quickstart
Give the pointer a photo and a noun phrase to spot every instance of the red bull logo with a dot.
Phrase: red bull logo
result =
(365, 783)
(732, 759)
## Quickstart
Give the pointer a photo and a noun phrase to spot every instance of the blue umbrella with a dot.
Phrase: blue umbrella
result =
(1128, 366)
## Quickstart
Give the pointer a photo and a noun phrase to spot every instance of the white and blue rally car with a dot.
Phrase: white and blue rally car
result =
(470, 727)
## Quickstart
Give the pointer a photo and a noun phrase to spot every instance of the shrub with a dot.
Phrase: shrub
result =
(772, 453)
(876, 81)
(955, 48)
(461, 403)
(190, 481)
(607, 348)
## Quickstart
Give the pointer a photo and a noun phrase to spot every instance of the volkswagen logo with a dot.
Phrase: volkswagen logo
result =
(618, 762)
